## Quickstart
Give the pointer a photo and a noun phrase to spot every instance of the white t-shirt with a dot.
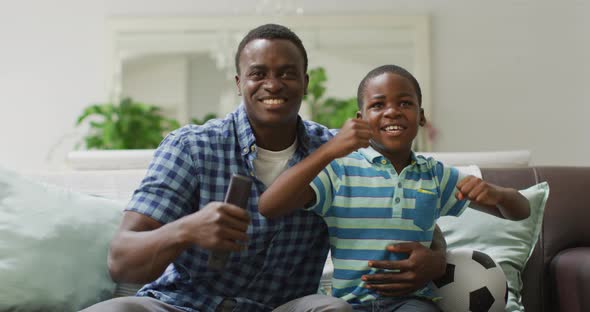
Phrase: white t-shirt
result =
(269, 164)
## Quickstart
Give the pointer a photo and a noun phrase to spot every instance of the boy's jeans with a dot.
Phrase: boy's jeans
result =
(401, 304)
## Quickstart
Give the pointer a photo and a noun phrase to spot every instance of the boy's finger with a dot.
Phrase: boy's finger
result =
(459, 195)
(468, 186)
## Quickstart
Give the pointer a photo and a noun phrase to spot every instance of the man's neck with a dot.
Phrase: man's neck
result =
(275, 139)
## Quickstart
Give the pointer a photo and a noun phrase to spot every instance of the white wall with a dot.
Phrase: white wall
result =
(506, 74)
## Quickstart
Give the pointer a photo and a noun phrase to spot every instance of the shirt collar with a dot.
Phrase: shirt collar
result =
(374, 156)
(247, 141)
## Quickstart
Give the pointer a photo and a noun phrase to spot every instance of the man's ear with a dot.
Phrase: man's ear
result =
(237, 77)
(422, 118)
(359, 115)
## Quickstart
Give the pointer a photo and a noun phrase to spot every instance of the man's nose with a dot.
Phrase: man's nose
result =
(273, 84)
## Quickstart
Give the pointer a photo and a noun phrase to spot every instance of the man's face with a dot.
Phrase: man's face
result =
(272, 81)
(393, 112)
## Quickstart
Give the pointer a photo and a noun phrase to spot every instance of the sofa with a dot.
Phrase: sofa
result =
(555, 278)
(557, 275)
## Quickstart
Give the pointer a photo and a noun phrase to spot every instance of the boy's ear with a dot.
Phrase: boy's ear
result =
(422, 118)
(306, 84)
(359, 115)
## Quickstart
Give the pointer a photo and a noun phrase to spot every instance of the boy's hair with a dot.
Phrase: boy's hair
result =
(392, 69)
(271, 31)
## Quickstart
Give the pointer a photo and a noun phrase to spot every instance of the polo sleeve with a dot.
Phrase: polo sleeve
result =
(324, 186)
(168, 190)
(448, 178)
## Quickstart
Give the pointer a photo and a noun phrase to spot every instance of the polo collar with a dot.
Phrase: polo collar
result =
(375, 157)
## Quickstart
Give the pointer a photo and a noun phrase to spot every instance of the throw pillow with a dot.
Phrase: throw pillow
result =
(53, 246)
(510, 243)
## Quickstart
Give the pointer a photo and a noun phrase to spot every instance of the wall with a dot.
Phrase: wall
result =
(506, 74)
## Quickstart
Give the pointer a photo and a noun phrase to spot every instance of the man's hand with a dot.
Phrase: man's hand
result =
(422, 266)
(217, 226)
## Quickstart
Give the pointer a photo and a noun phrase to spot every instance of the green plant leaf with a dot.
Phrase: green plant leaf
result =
(128, 125)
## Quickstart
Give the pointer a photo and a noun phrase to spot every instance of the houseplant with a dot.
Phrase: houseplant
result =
(329, 111)
(128, 125)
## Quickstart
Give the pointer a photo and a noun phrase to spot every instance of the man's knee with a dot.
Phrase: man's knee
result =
(315, 303)
(127, 304)
(331, 304)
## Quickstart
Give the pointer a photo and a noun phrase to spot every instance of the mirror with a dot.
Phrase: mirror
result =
(186, 65)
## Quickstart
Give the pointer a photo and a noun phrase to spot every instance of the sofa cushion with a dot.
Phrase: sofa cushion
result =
(508, 242)
(53, 246)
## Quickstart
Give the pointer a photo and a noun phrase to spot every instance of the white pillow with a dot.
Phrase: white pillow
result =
(53, 246)
(510, 243)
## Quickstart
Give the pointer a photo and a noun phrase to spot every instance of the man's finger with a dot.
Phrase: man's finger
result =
(236, 212)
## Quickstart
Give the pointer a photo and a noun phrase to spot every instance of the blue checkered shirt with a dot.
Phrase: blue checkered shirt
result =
(192, 167)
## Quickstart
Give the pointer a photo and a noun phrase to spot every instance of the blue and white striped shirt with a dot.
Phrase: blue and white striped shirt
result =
(192, 167)
(368, 206)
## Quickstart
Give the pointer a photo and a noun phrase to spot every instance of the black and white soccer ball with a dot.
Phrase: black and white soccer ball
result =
(473, 282)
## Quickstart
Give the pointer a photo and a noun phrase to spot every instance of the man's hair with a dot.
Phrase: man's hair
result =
(271, 31)
(392, 69)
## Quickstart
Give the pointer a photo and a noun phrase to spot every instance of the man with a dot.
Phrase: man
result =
(176, 217)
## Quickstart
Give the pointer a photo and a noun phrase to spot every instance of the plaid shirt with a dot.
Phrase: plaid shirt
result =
(192, 167)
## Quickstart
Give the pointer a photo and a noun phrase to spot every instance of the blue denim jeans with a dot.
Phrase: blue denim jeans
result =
(401, 304)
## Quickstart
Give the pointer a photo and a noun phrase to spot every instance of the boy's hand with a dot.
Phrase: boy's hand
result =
(354, 134)
(479, 191)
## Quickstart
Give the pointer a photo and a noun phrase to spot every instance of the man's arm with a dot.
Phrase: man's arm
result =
(143, 248)
(422, 266)
(291, 189)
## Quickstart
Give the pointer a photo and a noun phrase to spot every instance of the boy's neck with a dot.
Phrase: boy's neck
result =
(400, 163)
(399, 160)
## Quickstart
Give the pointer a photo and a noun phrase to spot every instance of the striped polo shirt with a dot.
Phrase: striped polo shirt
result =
(368, 206)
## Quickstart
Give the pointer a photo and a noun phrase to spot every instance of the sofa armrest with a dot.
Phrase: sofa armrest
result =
(570, 273)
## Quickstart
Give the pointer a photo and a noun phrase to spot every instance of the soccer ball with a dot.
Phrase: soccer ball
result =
(473, 282)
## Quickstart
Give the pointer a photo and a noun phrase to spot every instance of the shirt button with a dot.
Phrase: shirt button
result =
(397, 200)
(253, 148)
(399, 185)
(383, 161)
(252, 173)
(245, 150)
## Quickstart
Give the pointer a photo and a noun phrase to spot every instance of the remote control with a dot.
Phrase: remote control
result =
(237, 194)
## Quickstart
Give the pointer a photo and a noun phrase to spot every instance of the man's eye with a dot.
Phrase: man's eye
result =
(406, 103)
(377, 105)
(257, 74)
(289, 74)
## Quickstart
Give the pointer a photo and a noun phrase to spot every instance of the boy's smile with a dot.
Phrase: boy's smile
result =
(392, 109)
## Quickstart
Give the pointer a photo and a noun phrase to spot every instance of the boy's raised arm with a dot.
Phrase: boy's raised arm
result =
(502, 202)
(292, 190)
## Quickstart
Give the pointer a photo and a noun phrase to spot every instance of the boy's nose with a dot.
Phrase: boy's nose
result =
(392, 111)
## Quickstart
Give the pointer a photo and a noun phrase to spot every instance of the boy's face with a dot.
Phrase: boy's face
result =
(272, 81)
(393, 112)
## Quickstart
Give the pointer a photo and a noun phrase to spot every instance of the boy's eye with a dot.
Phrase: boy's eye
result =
(406, 103)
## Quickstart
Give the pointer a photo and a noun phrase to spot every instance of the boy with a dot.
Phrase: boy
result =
(383, 192)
